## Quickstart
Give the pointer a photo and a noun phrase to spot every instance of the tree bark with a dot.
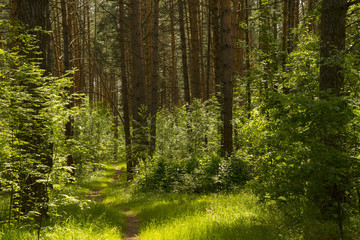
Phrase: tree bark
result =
(124, 85)
(138, 77)
(155, 76)
(184, 53)
(36, 147)
(148, 39)
(332, 38)
(174, 80)
(195, 50)
(226, 59)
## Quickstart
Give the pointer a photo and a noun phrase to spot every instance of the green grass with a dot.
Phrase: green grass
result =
(162, 216)
(191, 216)
(76, 217)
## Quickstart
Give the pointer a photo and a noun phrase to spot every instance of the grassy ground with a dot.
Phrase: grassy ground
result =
(162, 216)
(76, 217)
(189, 216)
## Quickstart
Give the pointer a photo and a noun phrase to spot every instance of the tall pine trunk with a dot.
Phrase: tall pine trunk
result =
(139, 142)
(36, 149)
(155, 76)
(226, 59)
(184, 52)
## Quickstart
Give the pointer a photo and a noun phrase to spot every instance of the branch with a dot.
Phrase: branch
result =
(107, 98)
(349, 4)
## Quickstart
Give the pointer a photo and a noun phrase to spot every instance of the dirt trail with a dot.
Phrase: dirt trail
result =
(132, 223)
(132, 226)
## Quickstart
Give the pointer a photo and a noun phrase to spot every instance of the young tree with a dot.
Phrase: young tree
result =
(36, 150)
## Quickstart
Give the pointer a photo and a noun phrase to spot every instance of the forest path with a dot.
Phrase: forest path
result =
(132, 223)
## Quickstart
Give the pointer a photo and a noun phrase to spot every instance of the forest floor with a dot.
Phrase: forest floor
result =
(104, 206)
(156, 216)
(132, 223)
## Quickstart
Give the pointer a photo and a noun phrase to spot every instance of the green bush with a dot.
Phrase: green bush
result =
(187, 156)
(311, 161)
(94, 140)
(32, 119)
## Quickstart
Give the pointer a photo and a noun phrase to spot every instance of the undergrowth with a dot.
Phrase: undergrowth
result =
(236, 215)
(74, 215)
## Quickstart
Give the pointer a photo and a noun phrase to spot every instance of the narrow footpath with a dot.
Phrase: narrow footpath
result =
(132, 223)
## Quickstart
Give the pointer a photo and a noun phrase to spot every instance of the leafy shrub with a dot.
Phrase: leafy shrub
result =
(187, 156)
(94, 139)
(32, 118)
(311, 159)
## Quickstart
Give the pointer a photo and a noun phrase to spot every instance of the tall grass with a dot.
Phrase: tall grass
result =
(194, 216)
(162, 215)
(74, 216)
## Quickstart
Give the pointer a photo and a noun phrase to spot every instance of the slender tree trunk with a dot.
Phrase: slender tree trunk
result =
(216, 47)
(208, 53)
(155, 76)
(195, 50)
(285, 30)
(201, 53)
(66, 52)
(139, 113)
(90, 63)
(247, 53)
(124, 86)
(226, 58)
(148, 38)
(332, 46)
(174, 80)
(163, 95)
(310, 10)
(56, 42)
(236, 36)
(184, 53)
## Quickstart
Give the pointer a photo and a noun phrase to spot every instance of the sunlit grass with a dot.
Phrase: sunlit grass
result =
(75, 217)
(162, 216)
(191, 216)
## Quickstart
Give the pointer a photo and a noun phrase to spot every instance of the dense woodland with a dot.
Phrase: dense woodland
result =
(196, 96)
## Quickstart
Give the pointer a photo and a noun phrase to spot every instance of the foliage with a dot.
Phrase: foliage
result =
(75, 216)
(187, 156)
(311, 160)
(32, 116)
(94, 140)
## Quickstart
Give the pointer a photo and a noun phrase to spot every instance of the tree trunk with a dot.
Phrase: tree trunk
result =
(208, 54)
(226, 59)
(174, 80)
(124, 86)
(195, 50)
(184, 53)
(66, 52)
(247, 60)
(332, 45)
(90, 63)
(332, 38)
(155, 77)
(34, 185)
(148, 39)
(138, 77)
